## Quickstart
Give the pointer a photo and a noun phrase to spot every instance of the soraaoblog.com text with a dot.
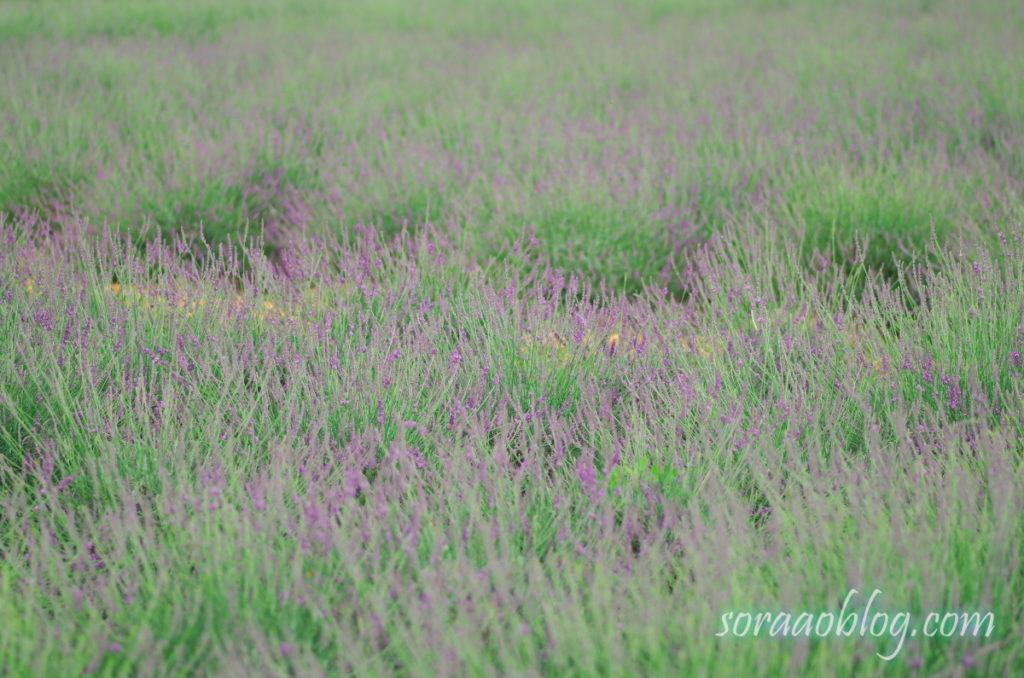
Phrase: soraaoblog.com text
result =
(849, 621)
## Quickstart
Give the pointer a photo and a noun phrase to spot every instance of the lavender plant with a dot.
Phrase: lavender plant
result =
(507, 338)
(396, 481)
(617, 134)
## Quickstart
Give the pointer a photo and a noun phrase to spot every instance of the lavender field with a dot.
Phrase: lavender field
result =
(511, 338)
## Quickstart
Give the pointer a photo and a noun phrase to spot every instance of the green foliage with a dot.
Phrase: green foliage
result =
(467, 433)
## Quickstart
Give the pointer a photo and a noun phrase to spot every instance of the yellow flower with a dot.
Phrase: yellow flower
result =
(30, 285)
(613, 341)
(115, 288)
(701, 344)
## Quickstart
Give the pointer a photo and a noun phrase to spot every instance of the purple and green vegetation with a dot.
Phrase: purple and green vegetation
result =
(507, 338)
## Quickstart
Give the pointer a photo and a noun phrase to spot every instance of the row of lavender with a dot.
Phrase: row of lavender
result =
(619, 132)
(394, 481)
